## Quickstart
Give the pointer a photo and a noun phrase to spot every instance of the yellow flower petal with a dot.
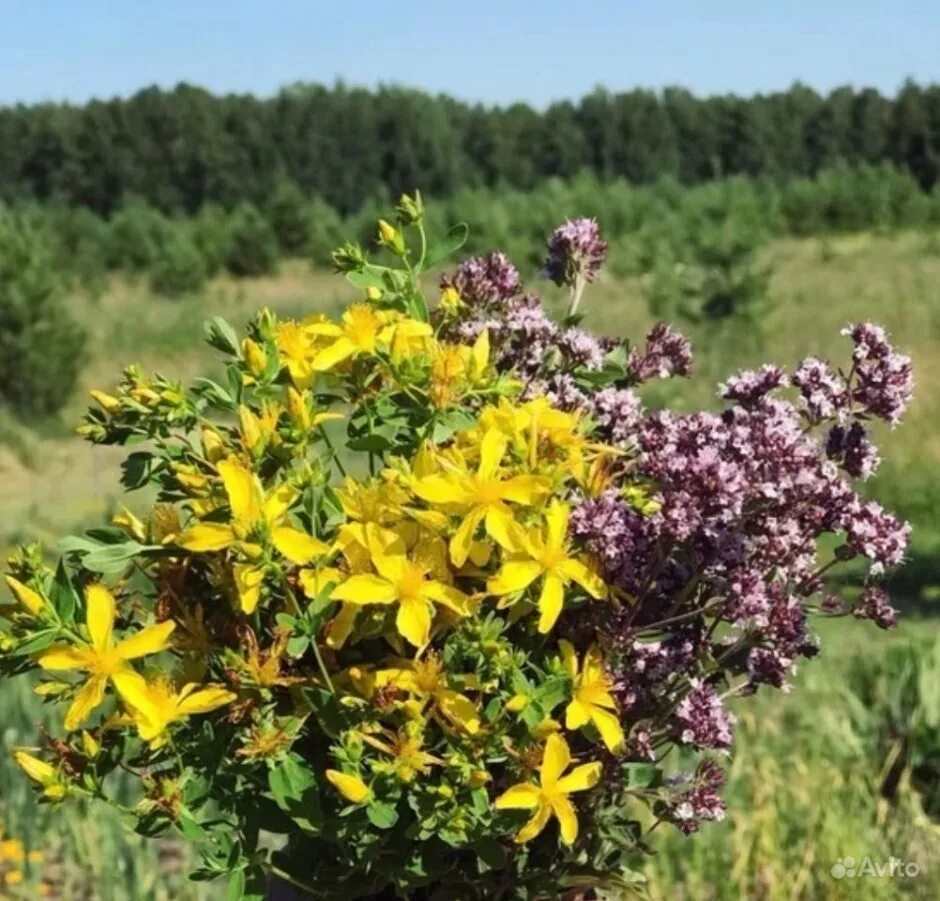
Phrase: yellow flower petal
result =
(28, 599)
(535, 825)
(413, 620)
(328, 358)
(568, 657)
(205, 700)
(527, 490)
(89, 696)
(608, 724)
(206, 537)
(550, 603)
(567, 818)
(581, 778)
(297, 546)
(364, 589)
(492, 448)
(462, 540)
(513, 576)
(524, 796)
(248, 581)
(555, 760)
(352, 788)
(556, 524)
(589, 580)
(278, 503)
(151, 640)
(503, 528)
(62, 657)
(245, 495)
(459, 710)
(100, 614)
(577, 715)
(447, 596)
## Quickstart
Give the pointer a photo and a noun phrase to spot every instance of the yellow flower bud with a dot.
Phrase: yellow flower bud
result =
(517, 703)
(352, 788)
(373, 293)
(297, 409)
(450, 301)
(256, 360)
(28, 599)
(213, 448)
(391, 238)
(90, 745)
(108, 402)
(130, 524)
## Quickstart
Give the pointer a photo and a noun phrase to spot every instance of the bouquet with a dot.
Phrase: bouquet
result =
(426, 595)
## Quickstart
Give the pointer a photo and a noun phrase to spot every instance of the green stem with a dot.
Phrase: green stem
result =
(277, 871)
(323, 670)
(329, 444)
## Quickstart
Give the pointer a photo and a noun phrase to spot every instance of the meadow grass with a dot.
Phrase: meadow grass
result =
(805, 778)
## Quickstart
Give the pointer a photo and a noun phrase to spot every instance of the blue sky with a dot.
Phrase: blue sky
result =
(489, 50)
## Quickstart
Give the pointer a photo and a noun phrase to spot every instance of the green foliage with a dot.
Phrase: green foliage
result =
(705, 267)
(184, 148)
(252, 244)
(288, 211)
(178, 267)
(40, 345)
(137, 232)
(324, 231)
(211, 235)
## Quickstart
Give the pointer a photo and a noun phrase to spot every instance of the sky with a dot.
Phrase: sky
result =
(494, 51)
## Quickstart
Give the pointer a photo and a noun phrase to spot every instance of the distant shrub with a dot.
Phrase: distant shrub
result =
(211, 236)
(40, 344)
(290, 215)
(179, 267)
(252, 247)
(325, 231)
(136, 234)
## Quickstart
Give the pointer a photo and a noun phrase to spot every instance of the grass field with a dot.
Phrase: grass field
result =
(807, 779)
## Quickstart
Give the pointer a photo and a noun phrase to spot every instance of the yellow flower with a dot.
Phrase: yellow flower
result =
(102, 659)
(352, 788)
(409, 758)
(482, 496)
(404, 582)
(31, 601)
(157, 705)
(296, 351)
(591, 699)
(450, 301)
(408, 338)
(258, 430)
(42, 773)
(426, 681)
(550, 796)
(361, 329)
(391, 237)
(455, 368)
(255, 519)
(545, 554)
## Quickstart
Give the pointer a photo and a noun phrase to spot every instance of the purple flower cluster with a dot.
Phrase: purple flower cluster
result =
(702, 720)
(852, 449)
(667, 353)
(750, 388)
(575, 251)
(883, 381)
(876, 606)
(486, 280)
(709, 533)
(697, 798)
(824, 394)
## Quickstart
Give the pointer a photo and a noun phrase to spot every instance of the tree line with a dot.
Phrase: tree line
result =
(182, 149)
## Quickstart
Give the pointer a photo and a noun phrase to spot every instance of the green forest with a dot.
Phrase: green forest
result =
(182, 149)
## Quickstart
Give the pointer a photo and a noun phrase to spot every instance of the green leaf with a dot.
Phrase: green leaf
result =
(62, 594)
(39, 642)
(641, 775)
(222, 336)
(137, 469)
(369, 277)
(382, 815)
(491, 853)
(289, 779)
(447, 246)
